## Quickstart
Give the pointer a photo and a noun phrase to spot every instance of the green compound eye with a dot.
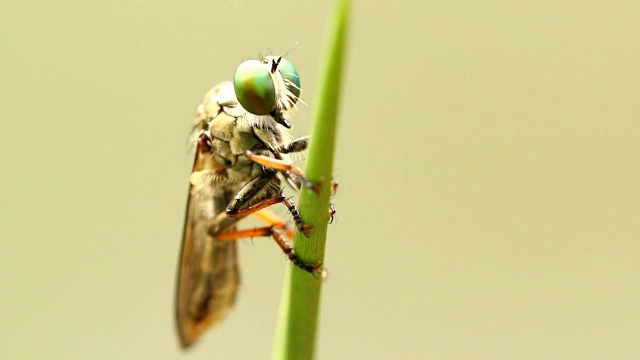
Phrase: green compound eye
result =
(291, 78)
(254, 87)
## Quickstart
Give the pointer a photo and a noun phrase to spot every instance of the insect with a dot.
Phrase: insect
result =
(242, 144)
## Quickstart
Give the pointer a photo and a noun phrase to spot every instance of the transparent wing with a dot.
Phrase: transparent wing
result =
(208, 274)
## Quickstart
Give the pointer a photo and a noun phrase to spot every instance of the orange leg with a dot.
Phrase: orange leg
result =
(274, 220)
(269, 231)
(257, 207)
(281, 165)
(271, 201)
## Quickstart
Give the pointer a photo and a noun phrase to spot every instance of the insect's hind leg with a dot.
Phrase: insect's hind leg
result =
(275, 221)
(269, 231)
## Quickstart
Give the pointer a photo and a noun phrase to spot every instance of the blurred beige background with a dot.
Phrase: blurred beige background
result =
(488, 155)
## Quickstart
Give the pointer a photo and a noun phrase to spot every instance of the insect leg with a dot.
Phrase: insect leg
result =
(219, 229)
(274, 220)
(332, 212)
(297, 145)
(334, 186)
(269, 231)
(281, 165)
(289, 170)
(232, 210)
(259, 193)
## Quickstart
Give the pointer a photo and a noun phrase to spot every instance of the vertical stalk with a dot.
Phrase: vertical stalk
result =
(298, 318)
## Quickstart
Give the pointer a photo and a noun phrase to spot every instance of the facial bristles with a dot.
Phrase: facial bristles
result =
(289, 100)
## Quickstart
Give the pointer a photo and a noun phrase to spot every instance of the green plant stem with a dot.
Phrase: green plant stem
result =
(298, 318)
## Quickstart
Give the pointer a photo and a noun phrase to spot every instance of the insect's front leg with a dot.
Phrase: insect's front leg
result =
(297, 145)
(291, 169)
(281, 165)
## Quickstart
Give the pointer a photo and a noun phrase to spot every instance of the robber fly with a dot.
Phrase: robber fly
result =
(242, 144)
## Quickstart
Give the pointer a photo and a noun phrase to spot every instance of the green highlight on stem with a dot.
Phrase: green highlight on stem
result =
(298, 318)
